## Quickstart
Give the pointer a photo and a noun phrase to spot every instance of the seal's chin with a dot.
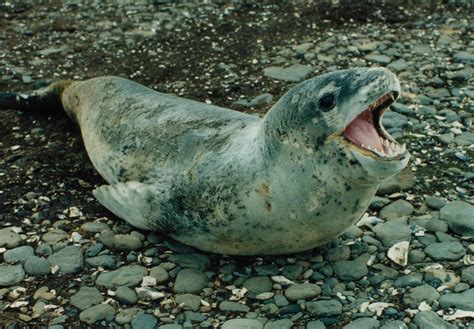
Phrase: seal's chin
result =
(366, 134)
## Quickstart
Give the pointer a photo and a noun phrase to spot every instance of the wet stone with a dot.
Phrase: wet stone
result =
(190, 281)
(37, 266)
(11, 275)
(435, 202)
(94, 227)
(363, 323)
(127, 242)
(390, 233)
(409, 280)
(54, 236)
(397, 209)
(279, 324)
(302, 291)
(230, 306)
(160, 274)
(69, 259)
(126, 295)
(242, 323)
(396, 324)
(108, 262)
(420, 293)
(380, 59)
(198, 262)
(467, 275)
(190, 301)
(144, 321)
(431, 320)
(96, 313)
(9, 238)
(86, 297)
(129, 276)
(18, 254)
(257, 285)
(461, 301)
(315, 325)
(445, 251)
(293, 73)
(324, 308)
(350, 270)
(460, 217)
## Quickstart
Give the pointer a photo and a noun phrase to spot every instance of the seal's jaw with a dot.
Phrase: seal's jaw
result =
(366, 134)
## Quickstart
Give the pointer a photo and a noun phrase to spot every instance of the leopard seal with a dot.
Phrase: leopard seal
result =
(228, 182)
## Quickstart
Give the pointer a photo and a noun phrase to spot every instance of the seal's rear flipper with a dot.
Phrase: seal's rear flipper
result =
(132, 201)
(48, 98)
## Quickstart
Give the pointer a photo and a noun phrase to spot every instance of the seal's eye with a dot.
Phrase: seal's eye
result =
(327, 102)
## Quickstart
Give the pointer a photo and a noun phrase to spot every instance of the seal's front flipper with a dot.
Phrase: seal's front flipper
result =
(135, 202)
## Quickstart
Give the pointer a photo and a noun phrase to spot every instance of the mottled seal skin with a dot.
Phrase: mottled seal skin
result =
(228, 182)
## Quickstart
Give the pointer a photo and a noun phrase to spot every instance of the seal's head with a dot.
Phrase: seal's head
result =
(340, 115)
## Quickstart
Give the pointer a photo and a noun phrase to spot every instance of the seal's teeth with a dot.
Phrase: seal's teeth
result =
(390, 153)
(404, 148)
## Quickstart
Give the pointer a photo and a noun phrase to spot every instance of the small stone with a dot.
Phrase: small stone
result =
(293, 73)
(396, 324)
(9, 238)
(445, 251)
(279, 324)
(126, 295)
(397, 209)
(196, 261)
(435, 202)
(242, 324)
(94, 227)
(350, 270)
(37, 266)
(107, 262)
(363, 323)
(467, 275)
(18, 254)
(324, 308)
(339, 253)
(394, 120)
(258, 284)
(129, 276)
(315, 325)
(96, 313)
(398, 65)
(380, 59)
(462, 301)
(126, 315)
(300, 291)
(390, 233)
(86, 297)
(69, 259)
(409, 280)
(190, 301)
(460, 217)
(160, 274)
(431, 320)
(144, 321)
(190, 281)
(229, 306)
(127, 242)
(54, 236)
(11, 275)
(421, 293)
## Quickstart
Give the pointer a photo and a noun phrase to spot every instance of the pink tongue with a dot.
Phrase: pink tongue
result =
(361, 131)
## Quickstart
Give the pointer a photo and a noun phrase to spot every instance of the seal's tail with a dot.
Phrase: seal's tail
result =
(47, 98)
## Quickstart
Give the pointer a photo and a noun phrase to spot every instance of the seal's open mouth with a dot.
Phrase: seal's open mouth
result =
(367, 133)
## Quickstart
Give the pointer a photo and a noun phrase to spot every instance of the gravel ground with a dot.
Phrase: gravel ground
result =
(66, 262)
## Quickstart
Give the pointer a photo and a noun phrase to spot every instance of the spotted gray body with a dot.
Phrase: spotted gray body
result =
(228, 182)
